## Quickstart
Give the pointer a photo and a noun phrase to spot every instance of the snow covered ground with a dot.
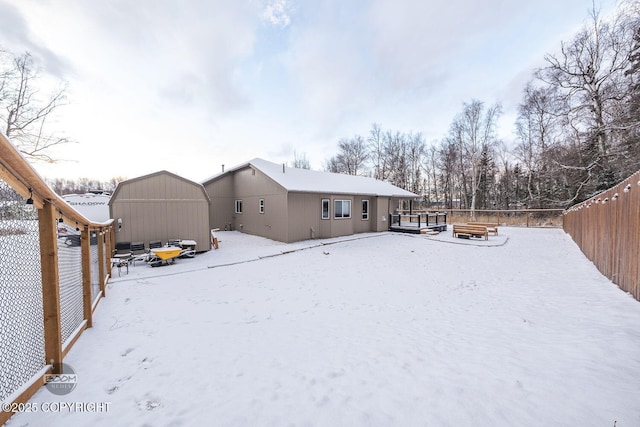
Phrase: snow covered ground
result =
(371, 330)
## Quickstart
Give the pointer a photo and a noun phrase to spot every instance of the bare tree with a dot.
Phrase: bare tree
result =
(431, 171)
(25, 112)
(630, 112)
(474, 132)
(351, 158)
(448, 163)
(300, 161)
(588, 74)
(377, 156)
(416, 150)
(538, 128)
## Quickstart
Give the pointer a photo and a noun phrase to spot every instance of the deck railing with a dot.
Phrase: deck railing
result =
(50, 284)
(418, 219)
(607, 229)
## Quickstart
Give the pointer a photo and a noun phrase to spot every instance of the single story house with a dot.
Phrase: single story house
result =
(288, 204)
(161, 206)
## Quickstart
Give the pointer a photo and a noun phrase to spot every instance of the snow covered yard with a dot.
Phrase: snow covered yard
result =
(372, 330)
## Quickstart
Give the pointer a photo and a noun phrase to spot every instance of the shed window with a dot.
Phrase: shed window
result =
(342, 209)
(238, 206)
(261, 206)
(325, 209)
(365, 210)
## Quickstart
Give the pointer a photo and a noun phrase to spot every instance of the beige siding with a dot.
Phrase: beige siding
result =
(161, 207)
(343, 226)
(305, 217)
(221, 210)
(288, 216)
(360, 225)
(382, 211)
(249, 185)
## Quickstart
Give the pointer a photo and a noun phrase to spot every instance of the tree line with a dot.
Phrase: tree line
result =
(577, 132)
(63, 186)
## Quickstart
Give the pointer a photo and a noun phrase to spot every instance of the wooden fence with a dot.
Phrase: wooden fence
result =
(513, 217)
(49, 286)
(607, 229)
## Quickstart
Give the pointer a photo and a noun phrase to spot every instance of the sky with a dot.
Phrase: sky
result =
(189, 85)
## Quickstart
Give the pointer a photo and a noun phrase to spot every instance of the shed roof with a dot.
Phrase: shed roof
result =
(152, 175)
(310, 181)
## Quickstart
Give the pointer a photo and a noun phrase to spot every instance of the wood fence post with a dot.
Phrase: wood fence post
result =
(85, 245)
(47, 225)
(104, 260)
(107, 258)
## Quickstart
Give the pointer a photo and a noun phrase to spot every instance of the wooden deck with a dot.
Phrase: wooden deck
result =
(419, 223)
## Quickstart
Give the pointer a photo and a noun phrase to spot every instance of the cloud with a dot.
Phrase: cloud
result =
(16, 34)
(188, 52)
(277, 12)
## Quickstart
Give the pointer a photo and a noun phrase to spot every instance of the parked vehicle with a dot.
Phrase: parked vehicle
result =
(94, 205)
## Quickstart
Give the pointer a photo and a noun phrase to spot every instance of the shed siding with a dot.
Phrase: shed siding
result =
(161, 207)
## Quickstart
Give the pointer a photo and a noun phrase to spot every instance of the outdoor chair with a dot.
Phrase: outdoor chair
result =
(138, 252)
(154, 244)
(121, 256)
(122, 250)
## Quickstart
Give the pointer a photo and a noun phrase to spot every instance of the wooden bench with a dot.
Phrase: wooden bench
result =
(491, 227)
(467, 230)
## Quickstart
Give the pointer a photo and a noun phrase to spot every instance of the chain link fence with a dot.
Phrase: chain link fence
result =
(21, 314)
(95, 267)
(46, 296)
(71, 302)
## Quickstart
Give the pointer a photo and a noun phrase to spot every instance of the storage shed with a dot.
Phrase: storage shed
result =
(161, 206)
(289, 204)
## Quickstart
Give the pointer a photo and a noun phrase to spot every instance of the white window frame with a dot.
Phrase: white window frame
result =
(342, 202)
(365, 212)
(238, 206)
(322, 211)
(261, 206)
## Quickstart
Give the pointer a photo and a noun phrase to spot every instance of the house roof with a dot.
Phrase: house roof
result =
(310, 181)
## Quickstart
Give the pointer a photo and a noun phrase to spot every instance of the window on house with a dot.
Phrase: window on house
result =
(342, 208)
(365, 209)
(325, 209)
(261, 206)
(238, 206)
